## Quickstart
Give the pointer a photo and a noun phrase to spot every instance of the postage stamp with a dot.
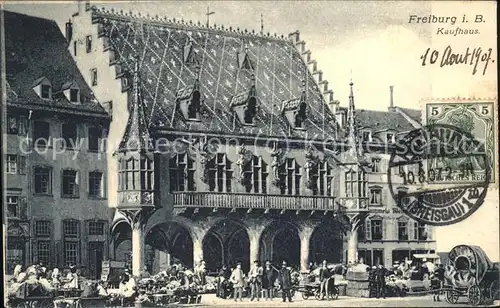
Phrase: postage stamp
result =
(474, 117)
(439, 174)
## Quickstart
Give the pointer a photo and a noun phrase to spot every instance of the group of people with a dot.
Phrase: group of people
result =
(259, 278)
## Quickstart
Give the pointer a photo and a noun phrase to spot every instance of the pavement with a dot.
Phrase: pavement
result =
(342, 301)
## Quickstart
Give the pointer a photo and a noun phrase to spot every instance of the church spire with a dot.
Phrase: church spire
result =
(136, 137)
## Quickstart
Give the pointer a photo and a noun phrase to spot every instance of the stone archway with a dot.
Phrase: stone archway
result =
(226, 242)
(182, 248)
(280, 242)
(326, 243)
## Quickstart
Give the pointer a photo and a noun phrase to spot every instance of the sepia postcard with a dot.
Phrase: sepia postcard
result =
(249, 153)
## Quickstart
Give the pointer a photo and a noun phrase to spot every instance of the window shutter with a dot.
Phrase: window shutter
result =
(384, 222)
(428, 232)
(23, 207)
(21, 164)
(59, 253)
(62, 183)
(77, 184)
(368, 229)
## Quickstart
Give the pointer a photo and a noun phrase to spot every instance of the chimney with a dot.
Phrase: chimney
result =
(69, 31)
(391, 98)
(301, 46)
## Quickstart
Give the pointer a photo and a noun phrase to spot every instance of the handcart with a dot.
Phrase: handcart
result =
(470, 273)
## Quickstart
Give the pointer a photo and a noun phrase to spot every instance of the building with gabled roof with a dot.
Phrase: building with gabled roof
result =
(249, 157)
(56, 208)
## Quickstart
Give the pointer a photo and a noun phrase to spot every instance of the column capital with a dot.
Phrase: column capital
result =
(137, 218)
(354, 220)
(306, 228)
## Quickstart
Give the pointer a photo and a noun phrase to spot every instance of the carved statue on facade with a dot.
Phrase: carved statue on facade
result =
(206, 155)
(311, 163)
(245, 157)
(277, 155)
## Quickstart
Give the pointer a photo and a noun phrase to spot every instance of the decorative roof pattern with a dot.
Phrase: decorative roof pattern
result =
(278, 69)
(136, 136)
(382, 120)
(36, 49)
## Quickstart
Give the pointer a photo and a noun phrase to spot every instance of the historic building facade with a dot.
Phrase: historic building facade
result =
(56, 208)
(229, 146)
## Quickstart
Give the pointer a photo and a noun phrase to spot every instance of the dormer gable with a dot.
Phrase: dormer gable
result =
(244, 60)
(189, 55)
(43, 88)
(246, 104)
(189, 100)
(71, 91)
(296, 109)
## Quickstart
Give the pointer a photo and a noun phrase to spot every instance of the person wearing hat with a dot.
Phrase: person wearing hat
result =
(268, 278)
(255, 280)
(372, 282)
(285, 281)
(237, 278)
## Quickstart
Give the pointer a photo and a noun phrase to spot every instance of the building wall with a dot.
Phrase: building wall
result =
(108, 90)
(54, 207)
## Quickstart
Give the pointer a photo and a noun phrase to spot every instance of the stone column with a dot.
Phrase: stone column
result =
(352, 246)
(138, 247)
(255, 229)
(305, 234)
(197, 250)
(254, 249)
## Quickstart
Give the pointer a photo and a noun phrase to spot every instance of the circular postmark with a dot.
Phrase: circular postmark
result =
(438, 174)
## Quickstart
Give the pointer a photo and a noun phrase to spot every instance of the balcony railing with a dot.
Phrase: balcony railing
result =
(254, 201)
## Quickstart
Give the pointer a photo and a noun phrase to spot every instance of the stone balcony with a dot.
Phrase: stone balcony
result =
(252, 201)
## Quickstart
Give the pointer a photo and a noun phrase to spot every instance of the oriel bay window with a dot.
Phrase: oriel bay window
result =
(255, 173)
(136, 174)
(355, 183)
(290, 173)
(220, 173)
(182, 173)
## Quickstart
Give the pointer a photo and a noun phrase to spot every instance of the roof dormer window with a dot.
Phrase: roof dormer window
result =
(296, 109)
(194, 105)
(43, 88)
(74, 95)
(189, 100)
(390, 138)
(246, 105)
(190, 56)
(46, 91)
(251, 110)
(300, 115)
(244, 60)
(367, 136)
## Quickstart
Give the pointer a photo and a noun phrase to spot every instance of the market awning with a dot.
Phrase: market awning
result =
(426, 255)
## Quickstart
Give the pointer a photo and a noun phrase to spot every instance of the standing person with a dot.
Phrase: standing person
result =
(323, 279)
(372, 281)
(222, 279)
(255, 280)
(238, 280)
(268, 278)
(439, 275)
(380, 276)
(200, 273)
(285, 280)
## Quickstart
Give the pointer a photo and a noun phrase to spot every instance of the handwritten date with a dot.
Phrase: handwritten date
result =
(472, 57)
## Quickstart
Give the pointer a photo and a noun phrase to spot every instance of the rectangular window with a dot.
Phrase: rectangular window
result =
(71, 252)
(21, 164)
(290, 172)
(23, 125)
(181, 173)
(402, 230)
(147, 180)
(96, 228)
(75, 48)
(220, 173)
(43, 180)
(93, 76)
(70, 228)
(376, 229)
(375, 196)
(366, 136)
(420, 231)
(94, 134)
(70, 187)
(88, 43)
(74, 95)
(13, 206)
(41, 133)
(11, 164)
(361, 232)
(70, 135)
(375, 164)
(43, 228)
(96, 187)
(46, 89)
(43, 250)
(12, 127)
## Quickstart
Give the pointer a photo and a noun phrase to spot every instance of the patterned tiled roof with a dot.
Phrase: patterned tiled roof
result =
(278, 68)
(415, 114)
(36, 49)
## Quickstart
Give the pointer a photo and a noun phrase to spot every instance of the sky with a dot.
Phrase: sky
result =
(371, 42)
